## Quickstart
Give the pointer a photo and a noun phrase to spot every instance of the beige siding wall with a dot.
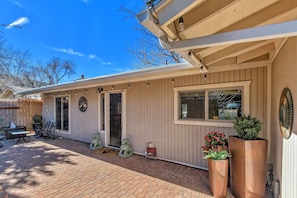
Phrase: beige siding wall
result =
(284, 71)
(82, 124)
(150, 114)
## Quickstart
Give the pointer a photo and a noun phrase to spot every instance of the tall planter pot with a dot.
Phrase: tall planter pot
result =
(248, 167)
(218, 177)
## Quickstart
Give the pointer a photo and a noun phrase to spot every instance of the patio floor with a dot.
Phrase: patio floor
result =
(67, 168)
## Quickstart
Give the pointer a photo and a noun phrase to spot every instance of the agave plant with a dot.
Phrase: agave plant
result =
(216, 155)
(247, 127)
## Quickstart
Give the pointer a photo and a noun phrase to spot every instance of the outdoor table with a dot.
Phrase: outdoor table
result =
(19, 135)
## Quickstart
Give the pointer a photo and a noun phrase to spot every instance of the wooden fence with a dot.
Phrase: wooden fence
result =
(19, 111)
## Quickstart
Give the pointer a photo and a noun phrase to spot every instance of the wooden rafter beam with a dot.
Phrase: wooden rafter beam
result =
(264, 15)
(173, 10)
(204, 11)
(233, 50)
(230, 64)
(226, 17)
(255, 53)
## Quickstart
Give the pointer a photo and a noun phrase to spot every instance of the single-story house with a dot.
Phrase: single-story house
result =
(10, 90)
(240, 55)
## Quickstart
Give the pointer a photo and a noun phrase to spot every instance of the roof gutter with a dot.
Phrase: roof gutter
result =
(150, 22)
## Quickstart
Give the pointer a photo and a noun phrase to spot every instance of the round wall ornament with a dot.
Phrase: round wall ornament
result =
(286, 113)
(82, 104)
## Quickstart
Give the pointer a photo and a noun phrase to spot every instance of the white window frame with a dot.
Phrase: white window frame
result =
(106, 130)
(101, 110)
(244, 85)
(69, 113)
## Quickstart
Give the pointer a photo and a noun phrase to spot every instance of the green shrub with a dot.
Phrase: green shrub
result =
(37, 118)
(247, 127)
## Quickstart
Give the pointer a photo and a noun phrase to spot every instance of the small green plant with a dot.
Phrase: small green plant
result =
(247, 127)
(216, 155)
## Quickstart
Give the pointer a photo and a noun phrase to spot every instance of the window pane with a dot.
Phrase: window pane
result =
(102, 112)
(58, 113)
(65, 113)
(224, 104)
(192, 105)
(62, 113)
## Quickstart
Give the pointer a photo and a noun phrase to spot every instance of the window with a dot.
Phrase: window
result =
(211, 105)
(192, 105)
(62, 113)
(224, 104)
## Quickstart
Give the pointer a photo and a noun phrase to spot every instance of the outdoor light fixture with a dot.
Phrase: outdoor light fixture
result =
(86, 91)
(128, 86)
(172, 81)
(205, 76)
(189, 53)
(99, 89)
(148, 84)
(181, 25)
(112, 87)
(76, 92)
(201, 69)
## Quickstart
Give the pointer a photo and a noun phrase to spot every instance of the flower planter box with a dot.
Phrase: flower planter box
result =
(218, 177)
(248, 167)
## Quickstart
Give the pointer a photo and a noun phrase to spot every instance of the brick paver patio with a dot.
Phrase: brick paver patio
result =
(66, 168)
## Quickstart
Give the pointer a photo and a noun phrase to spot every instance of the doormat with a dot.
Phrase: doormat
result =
(110, 152)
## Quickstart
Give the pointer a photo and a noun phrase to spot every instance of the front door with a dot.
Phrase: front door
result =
(115, 119)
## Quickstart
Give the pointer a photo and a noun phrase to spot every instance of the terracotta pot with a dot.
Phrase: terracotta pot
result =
(218, 177)
(248, 167)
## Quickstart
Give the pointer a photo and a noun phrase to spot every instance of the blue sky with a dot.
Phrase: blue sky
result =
(94, 34)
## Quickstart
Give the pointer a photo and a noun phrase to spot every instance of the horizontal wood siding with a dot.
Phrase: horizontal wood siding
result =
(150, 114)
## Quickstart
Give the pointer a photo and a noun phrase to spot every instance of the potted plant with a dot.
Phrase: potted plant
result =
(37, 122)
(249, 158)
(215, 140)
(215, 150)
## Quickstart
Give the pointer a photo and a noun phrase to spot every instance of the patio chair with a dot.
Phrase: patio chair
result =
(47, 131)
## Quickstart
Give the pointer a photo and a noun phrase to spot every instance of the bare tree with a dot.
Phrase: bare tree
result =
(12, 63)
(17, 69)
(148, 50)
(55, 70)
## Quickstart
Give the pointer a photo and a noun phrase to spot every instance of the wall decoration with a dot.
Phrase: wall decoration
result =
(82, 104)
(286, 113)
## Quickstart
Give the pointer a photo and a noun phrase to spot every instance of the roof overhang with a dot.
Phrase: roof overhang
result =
(127, 77)
(222, 32)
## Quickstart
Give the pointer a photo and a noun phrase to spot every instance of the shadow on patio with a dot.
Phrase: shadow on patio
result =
(62, 167)
(21, 166)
